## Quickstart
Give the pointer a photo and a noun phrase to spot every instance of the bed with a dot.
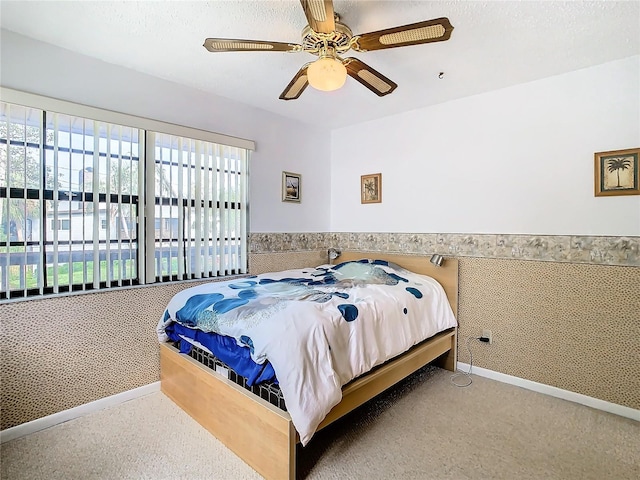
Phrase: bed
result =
(264, 435)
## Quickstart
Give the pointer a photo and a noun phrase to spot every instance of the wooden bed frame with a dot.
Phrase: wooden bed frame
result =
(262, 434)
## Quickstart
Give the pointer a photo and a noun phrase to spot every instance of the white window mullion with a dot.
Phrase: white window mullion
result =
(141, 235)
(180, 213)
(150, 207)
(173, 158)
(124, 223)
(7, 203)
(229, 211)
(237, 229)
(233, 212)
(243, 181)
(215, 197)
(82, 190)
(198, 210)
(229, 234)
(165, 222)
(188, 210)
(120, 211)
(163, 195)
(42, 211)
(55, 204)
(107, 208)
(206, 210)
(70, 196)
(95, 188)
(215, 249)
(136, 237)
(23, 267)
(221, 212)
(224, 219)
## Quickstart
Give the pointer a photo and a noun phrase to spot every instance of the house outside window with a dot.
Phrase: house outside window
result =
(60, 225)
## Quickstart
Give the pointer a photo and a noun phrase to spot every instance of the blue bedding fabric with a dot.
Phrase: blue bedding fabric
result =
(227, 350)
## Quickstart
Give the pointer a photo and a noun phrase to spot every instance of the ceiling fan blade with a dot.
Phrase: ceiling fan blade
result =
(437, 30)
(319, 14)
(236, 45)
(367, 76)
(296, 86)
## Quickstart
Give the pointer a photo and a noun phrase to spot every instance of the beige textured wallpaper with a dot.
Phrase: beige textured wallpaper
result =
(274, 262)
(574, 326)
(58, 353)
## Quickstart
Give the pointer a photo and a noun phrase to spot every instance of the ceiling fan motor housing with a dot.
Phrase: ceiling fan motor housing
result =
(315, 43)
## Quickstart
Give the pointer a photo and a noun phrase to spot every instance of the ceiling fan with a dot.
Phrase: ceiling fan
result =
(326, 37)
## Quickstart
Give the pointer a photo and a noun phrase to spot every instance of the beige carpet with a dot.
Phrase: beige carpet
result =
(424, 428)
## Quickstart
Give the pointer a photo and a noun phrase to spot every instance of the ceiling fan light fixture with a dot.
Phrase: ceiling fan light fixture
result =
(327, 74)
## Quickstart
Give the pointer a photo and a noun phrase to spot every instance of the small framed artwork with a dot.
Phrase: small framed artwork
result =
(291, 185)
(371, 188)
(616, 173)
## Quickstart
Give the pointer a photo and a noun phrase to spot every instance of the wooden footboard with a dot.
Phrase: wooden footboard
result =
(259, 433)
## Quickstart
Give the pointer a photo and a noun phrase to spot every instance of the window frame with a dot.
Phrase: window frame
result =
(145, 209)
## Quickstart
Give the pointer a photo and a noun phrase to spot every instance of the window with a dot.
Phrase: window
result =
(73, 214)
(64, 173)
(200, 208)
(60, 225)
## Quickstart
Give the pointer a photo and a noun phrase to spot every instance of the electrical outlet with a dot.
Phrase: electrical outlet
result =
(487, 334)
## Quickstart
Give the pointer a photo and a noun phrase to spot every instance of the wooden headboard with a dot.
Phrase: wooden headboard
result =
(446, 275)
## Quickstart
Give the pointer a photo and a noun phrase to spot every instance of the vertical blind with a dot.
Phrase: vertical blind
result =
(69, 193)
(21, 191)
(73, 214)
(200, 191)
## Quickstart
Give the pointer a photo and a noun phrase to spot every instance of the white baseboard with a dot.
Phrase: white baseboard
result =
(75, 412)
(554, 392)
(79, 411)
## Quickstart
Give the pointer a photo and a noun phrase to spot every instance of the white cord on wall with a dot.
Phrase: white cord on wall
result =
(461, 372)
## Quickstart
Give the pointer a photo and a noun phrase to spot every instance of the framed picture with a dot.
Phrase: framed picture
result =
(616, 173)
(291, 185)
(371, 188)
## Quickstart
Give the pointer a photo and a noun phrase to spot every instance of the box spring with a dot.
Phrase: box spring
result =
(268, 391)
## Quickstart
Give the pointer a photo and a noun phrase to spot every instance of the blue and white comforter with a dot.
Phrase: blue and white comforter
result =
(319, 327)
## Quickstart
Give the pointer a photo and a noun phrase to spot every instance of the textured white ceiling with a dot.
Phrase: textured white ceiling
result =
(494, 44)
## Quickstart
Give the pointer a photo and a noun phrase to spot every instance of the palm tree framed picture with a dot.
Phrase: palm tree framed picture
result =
(616, 173)
(371, 188)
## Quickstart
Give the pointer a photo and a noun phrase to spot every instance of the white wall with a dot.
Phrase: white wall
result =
(281, 144)
(517, 160)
